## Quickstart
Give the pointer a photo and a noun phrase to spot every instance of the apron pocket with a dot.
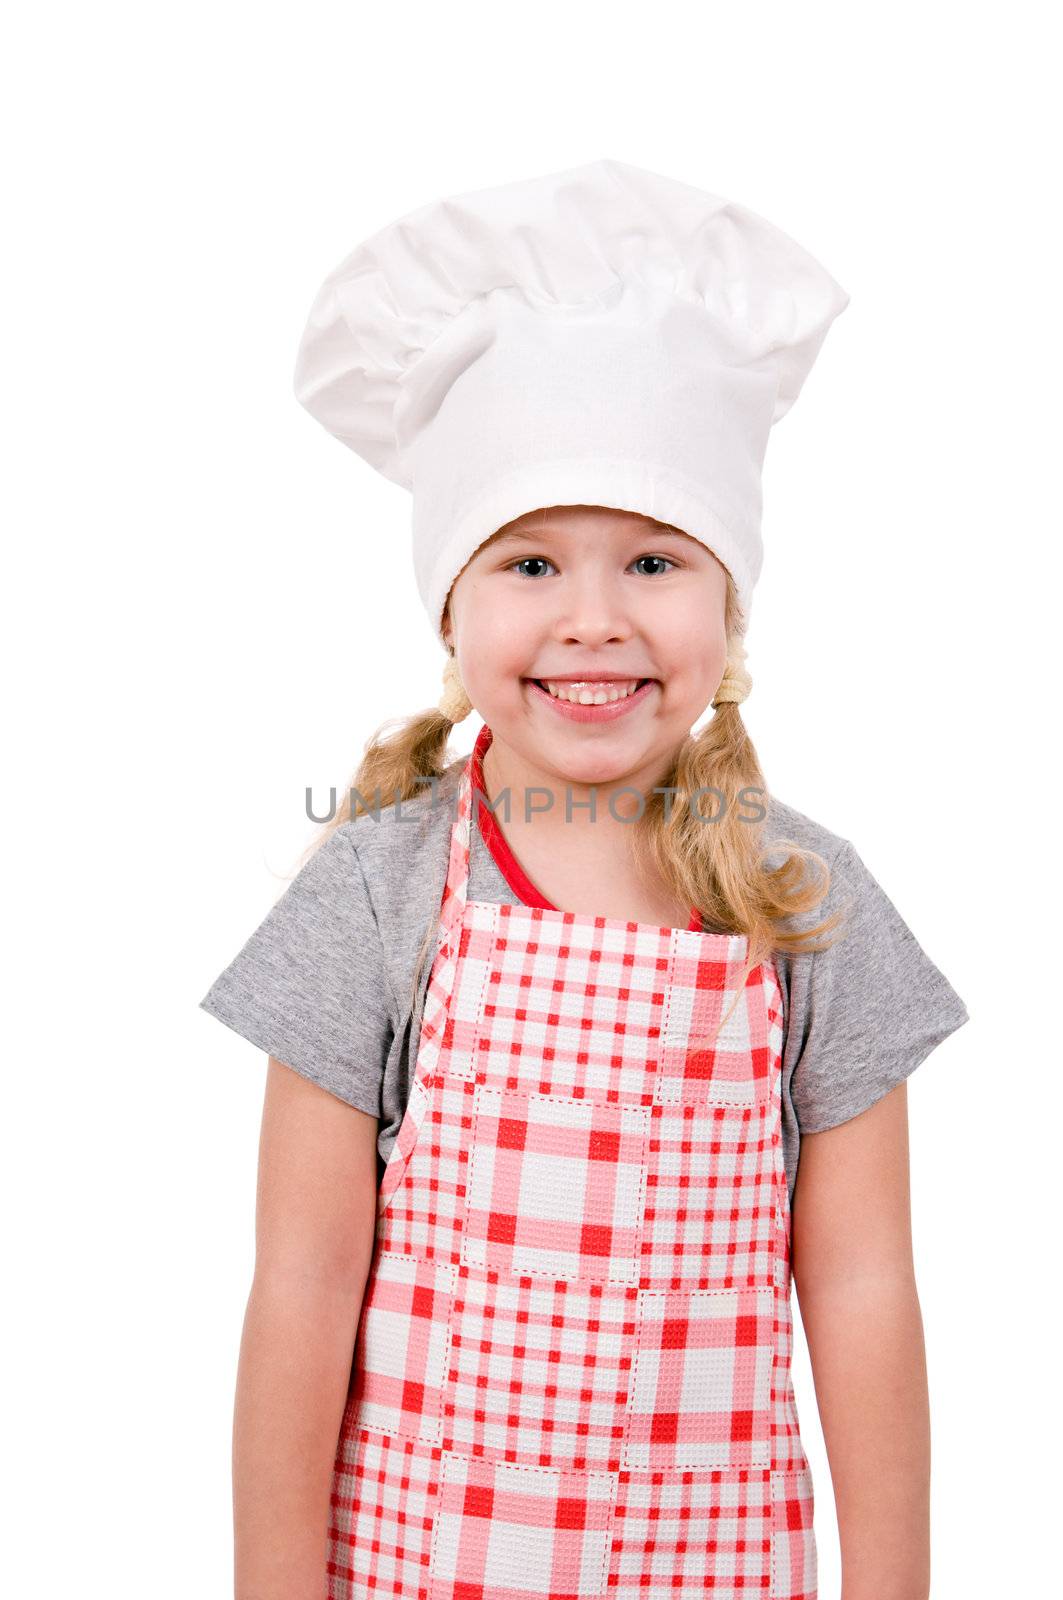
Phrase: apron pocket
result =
(539, 1370)
(701, 1380)
(711, 1217)
(502, 1529)
(555, 1186)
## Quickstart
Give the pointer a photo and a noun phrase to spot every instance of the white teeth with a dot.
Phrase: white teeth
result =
(583, 694)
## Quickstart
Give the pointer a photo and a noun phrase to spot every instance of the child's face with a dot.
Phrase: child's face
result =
(573, 593)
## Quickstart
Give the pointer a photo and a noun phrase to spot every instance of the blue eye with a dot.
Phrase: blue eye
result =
(664, 559)
(533, 561)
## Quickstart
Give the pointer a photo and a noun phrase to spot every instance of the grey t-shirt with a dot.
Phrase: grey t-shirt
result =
(325, 982)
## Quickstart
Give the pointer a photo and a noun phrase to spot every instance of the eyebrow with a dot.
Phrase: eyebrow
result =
(513, 535)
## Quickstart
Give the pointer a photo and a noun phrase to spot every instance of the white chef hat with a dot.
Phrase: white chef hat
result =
(598, 336)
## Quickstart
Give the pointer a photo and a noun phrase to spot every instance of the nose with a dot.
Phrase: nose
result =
(592, 611)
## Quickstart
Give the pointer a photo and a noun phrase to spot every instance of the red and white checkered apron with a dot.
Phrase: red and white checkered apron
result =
(572, 1370)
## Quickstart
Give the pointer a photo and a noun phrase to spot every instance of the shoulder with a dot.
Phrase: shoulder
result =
(784, 827)
(402, 852)
(864, 1011)
(394, 837)
(851, 888)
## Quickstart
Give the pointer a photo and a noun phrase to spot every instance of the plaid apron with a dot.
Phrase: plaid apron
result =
(572, 1368)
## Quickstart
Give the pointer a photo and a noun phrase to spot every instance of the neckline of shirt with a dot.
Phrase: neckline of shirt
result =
(497, 844)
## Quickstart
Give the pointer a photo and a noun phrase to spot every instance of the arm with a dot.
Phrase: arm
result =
(314, 1233)
(855, 1281)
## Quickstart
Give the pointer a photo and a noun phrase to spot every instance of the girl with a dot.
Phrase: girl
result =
(551, 1027)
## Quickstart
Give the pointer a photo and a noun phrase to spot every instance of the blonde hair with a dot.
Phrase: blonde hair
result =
(718, 867)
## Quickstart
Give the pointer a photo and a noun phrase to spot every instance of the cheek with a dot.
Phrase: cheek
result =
(693, 654)
(492, 652)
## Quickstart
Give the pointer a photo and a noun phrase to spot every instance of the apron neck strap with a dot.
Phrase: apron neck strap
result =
(456, 889)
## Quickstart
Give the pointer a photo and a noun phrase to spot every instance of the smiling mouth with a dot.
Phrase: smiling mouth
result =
(591, 692)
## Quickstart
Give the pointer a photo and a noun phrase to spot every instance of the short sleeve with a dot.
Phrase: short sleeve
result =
(876, 1004)
(311, 986)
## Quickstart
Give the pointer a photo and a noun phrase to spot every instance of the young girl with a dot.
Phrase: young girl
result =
(550, 1026)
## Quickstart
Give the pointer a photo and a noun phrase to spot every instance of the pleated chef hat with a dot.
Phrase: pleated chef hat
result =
(597, 336)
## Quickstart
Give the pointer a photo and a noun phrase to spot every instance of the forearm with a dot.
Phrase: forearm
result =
(865, 1339)
(295, 1360)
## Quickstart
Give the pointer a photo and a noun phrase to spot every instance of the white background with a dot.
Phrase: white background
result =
(210, 605)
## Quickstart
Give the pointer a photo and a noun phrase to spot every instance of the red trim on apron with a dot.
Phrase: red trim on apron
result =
(571, 1375)
(494, 838)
